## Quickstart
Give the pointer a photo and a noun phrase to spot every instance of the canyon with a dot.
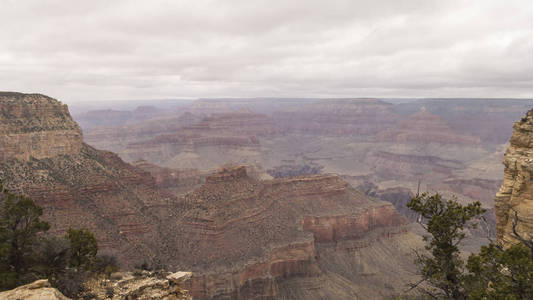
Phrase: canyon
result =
(265, 199)
(453, 146)
(242, 234)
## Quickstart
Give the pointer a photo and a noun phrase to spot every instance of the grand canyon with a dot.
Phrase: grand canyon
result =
(268, 198)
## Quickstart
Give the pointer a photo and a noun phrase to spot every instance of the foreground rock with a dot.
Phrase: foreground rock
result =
(38, 290)
(141, 285)
(514, 200)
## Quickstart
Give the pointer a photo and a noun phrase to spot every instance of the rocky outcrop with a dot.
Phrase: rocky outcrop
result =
(37, 290)
(513, 201)
(142, 285)
(36, 126)
(77, 185)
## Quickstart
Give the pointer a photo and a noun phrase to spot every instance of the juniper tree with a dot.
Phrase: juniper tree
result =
(20, 226)
(445, 220)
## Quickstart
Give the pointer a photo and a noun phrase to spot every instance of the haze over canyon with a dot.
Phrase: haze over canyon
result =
(260, 198)
(300, 149)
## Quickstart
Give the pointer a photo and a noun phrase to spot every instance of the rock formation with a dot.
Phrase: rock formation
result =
(514, 200)
(305, 237)
(219, 139)
(424, 127)
(250, 239)
(37, 290)
(392, 145)
(141, 285)
(36, 126)
(117, 138)
(172, 180)
(77, 185)
(344, 117)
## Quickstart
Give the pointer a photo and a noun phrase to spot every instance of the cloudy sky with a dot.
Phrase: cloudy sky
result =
(99, 50)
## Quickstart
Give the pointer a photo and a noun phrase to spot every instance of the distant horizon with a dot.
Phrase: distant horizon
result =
(191, 99)
(108, 50)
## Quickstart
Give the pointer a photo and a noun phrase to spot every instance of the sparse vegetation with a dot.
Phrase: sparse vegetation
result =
(27, 253)
(83, 248)
(20, 226)
(493, 273)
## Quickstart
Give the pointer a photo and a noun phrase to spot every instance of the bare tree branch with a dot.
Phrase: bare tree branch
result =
(514, 223)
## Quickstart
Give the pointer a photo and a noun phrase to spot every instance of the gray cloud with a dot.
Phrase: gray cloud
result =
(97, 50)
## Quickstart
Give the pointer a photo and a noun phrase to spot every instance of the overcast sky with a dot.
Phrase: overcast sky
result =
(98, 50)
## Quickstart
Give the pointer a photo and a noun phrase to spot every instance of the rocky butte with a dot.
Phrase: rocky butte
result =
(514, 200)
(304, 237)
(42, 155)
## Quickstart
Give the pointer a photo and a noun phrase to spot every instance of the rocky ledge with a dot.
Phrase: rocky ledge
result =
(141, 285)
(514, 200)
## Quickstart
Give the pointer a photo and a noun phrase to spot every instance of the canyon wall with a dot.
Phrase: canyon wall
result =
(43, 157)
(514, 200)
(36, 126)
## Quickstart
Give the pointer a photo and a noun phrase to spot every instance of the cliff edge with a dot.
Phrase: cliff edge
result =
(515, 197)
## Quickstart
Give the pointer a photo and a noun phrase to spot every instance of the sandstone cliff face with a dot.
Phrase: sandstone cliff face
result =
(77, 185)
(516, 191)
(36, 126)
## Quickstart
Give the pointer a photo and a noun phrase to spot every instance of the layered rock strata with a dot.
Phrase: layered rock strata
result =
(305, 237)
(424, 127)
(217, 140)
(77, 185)
(245, 239)
(36, 126)
(514, 200)
(338, 117)
(117, 138)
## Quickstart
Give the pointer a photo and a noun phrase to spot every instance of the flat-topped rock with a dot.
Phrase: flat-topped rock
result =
(34, 125)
